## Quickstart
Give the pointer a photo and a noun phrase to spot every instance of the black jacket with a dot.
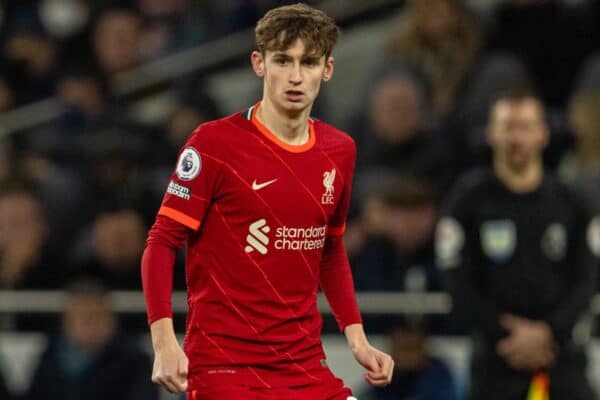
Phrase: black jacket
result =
(120, 371)
(532, 254)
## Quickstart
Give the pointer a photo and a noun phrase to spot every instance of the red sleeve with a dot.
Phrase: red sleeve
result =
(194, 181)
(165, 238)
(336, 281)
(337, 224)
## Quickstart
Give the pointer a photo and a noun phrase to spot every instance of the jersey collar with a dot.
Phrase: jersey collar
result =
(251, 115)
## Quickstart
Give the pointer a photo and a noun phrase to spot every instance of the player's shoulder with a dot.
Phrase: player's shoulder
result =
(215, 131)
(329, 136)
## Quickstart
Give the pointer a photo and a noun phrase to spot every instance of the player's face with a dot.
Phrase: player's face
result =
(292, 77)
(517, 132)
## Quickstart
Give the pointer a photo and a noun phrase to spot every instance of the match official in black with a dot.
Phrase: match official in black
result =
(519, 251)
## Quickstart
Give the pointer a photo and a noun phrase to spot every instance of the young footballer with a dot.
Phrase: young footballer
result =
(260, 199)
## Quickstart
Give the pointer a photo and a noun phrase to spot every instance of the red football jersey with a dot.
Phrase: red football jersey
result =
(261, 211)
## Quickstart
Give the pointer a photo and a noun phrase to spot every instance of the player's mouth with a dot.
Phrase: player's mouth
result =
(294, 95)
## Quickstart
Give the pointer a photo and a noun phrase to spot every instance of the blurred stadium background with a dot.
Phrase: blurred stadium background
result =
(97, 96)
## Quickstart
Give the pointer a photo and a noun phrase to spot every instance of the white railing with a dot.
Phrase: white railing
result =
(44, 301)
(48, 301)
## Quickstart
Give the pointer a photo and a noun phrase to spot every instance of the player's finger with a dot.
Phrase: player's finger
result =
(377, 375)
(183, 367)
(168, 384)
(383, 375)
(372, 365)
(391, 372)
(386, 363)
(178, 383)
(182, 386)
(376, 382)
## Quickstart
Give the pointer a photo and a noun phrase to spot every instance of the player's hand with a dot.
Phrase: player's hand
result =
(170, 368)
(529, 346)
(170, 362)
(379, 365)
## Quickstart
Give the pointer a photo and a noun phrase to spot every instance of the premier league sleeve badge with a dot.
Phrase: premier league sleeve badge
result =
(189, 164)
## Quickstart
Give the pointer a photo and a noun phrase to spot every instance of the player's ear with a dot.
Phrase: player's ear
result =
(328, 72)
(258, 63)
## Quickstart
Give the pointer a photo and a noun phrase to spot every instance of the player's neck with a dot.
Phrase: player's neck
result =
(291, 129)
(521, 180)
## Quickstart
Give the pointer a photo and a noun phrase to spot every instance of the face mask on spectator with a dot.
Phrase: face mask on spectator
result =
(62, 18)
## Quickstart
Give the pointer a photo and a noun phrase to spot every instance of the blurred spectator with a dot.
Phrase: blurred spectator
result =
(113, 248)
(84, 93)
(552, 37)
(63, 18)
(582, 165)
(396, 135)
(117, 40)
(440, 41)
(193, 107)
(30, 64)
(68, 23)
(33, 165)
(520, 251)
(396, 252)
(112, 166)
(417, 374)
(238, 15)
(27, 259)
(170, 26)
(90, 359)
(181, 123)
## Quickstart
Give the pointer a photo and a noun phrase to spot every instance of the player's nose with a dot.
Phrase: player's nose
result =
(296, 75)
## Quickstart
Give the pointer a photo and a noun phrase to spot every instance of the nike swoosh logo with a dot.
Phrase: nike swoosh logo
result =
(258, 186)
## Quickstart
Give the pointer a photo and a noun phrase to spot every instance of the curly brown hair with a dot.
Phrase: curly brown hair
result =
(279, 29)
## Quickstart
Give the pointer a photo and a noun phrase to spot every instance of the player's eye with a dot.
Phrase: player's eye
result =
(310, 62)
(281, 61)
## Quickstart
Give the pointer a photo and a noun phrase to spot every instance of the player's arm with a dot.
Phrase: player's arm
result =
(335, 278)
(170, 363)
(195, 181)
(336, 282)
(379, 365)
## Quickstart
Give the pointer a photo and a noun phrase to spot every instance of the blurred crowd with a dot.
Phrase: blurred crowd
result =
(423, 123)
(78, 194)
